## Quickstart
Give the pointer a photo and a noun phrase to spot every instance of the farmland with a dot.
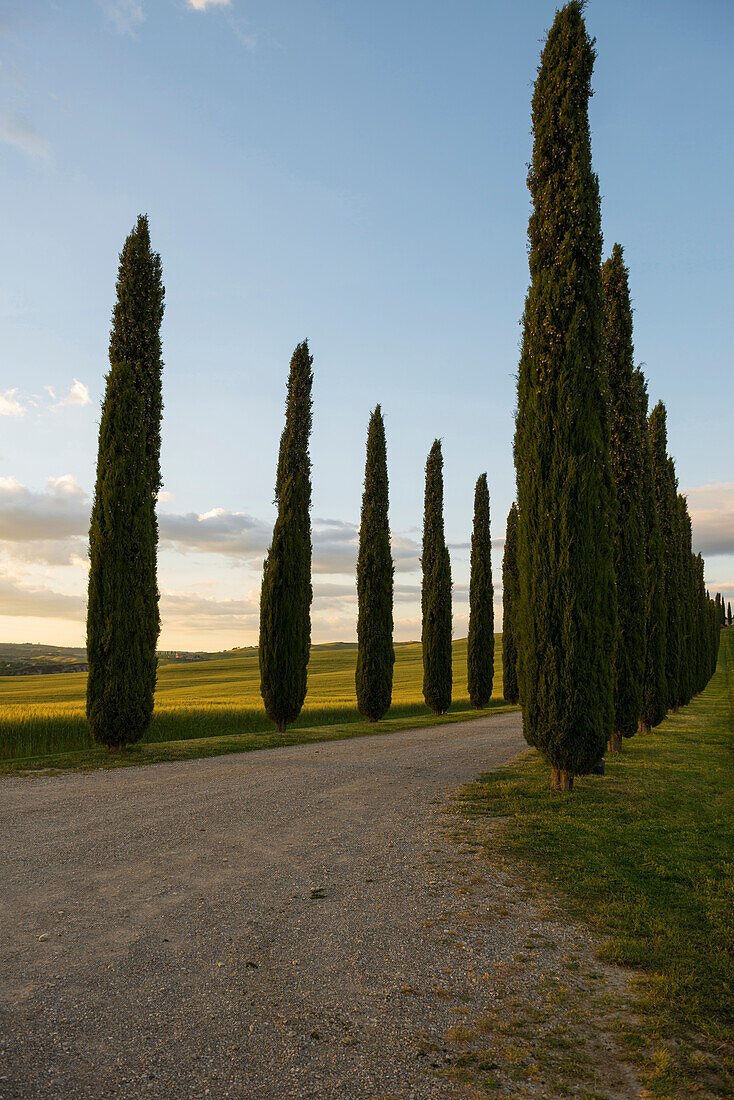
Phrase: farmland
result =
(213, 699)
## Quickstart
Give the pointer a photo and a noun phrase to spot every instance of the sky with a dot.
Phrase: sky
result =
(353, 174)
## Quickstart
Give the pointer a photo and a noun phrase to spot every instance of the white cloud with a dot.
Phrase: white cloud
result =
(125, 14)
(712, 515)
(202, 5)
(234, 534)
(163, 497)
(13, 405)
(21, 134)
(78, 395)
(66, 485)
(10, 405)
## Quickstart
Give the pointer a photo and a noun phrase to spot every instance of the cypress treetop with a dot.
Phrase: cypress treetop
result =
(135, 336)
(285, 596)
(375, 652)
(436, 591)
(510, 597)
(480, 642)
(567, 618)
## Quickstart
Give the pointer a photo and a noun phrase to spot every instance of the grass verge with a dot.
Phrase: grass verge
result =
(644, 856)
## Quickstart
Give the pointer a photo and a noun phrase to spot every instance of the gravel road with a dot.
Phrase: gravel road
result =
(260, 925)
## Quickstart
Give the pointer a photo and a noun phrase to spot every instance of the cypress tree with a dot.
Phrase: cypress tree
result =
(665, 497)
(626, 454)
(509, 610)
(687, 598)
(375, 653)
(480, 643)
(123, 620)
(436, 591)
(701, 631)
(654, 684)
(729, 612)
(285, 596)
(567, 620)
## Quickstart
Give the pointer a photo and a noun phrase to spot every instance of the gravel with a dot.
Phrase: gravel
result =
(271, 924)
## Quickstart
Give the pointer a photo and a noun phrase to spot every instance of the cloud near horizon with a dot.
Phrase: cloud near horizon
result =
(712, 515)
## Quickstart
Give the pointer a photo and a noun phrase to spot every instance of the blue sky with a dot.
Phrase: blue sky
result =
(354, 174)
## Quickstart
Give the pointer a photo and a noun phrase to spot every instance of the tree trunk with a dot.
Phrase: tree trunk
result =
(645, 727)
(675, 709)
(560, 780)
(615, 742)
(280, 725)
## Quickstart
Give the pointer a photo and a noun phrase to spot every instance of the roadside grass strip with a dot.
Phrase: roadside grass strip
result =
(644, 857)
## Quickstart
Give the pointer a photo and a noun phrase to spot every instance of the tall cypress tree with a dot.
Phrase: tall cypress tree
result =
(509, 610)
(701, 627)
(567, 620)
(375, 652)
(665, 497)
(436, 591)
(687, 599)
(122, 612)
(627, 470)
(285, 596)
(654, 684)
(729, 612)
(480, 643)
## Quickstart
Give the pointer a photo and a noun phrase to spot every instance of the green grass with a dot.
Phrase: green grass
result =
(214, 706)
(645, 856)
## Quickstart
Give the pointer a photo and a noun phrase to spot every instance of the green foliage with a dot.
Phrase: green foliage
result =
(654, 683)
(122, 613)
(567, 621)
(627, 462)
(135, 337)
(644, 856)
(687, 601)
(666, 500)
(480, 645)
(436, 591)
(510, 595)
(285, 596)
(375, 653)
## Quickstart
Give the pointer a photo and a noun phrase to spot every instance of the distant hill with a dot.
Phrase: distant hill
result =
(33, 659)
(30, 659)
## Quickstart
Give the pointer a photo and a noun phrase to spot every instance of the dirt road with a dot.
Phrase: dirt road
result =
(239, 926)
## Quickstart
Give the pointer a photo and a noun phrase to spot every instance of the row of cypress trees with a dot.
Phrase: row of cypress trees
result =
(286, 588)
(123, 621)
(607, 623)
